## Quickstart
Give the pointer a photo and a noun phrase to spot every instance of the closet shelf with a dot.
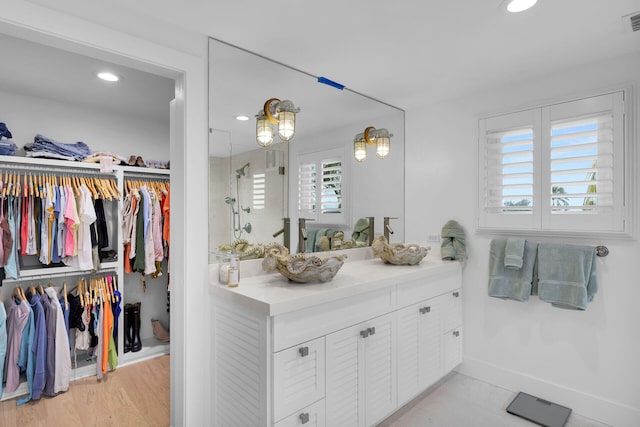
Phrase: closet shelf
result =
(54, 272)
(150, 348)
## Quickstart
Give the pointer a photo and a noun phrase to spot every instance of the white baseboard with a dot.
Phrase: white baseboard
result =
(597, 408)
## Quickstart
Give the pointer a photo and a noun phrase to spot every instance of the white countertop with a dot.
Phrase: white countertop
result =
(272, 294)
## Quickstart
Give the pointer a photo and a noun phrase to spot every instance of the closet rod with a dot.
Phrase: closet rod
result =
(143, 177)
(64, 274)
(50, 169)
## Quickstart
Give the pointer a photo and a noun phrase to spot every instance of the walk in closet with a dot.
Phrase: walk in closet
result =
(56, 94)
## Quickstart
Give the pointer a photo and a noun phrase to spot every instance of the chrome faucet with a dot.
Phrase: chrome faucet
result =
(371, 229)
(387, 228)
(302, 234)
(286, 229)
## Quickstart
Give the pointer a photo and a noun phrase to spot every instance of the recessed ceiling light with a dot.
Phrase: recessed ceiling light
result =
(108, 77)
(520, 5)
(242, 118)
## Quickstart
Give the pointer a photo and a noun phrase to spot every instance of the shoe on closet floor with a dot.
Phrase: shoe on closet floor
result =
(159, 332)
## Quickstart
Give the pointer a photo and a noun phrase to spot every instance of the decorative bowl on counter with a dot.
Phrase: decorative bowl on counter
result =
(301, 268)
(398, 254)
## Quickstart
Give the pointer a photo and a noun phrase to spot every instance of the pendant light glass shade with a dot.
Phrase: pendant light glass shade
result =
(360, 150)
(264, 130)
(286, 125)
(383, 144)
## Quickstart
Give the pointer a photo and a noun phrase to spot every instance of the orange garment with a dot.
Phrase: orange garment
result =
(127, 261)
(165, 212)
(107, 328)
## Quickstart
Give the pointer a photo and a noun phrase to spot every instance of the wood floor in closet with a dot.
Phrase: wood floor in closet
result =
(134, 395)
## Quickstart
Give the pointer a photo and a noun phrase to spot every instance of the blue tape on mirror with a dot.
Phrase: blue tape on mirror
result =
(328, 82)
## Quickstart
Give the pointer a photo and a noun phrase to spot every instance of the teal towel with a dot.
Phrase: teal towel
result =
(513, 254)
(453, 245)
(567, 275)
(361, 230)
(310, 244)
(508, 283)
(321, 232)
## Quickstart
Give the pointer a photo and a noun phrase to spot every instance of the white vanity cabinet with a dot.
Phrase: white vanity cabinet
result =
(345, 353)
(361, 373)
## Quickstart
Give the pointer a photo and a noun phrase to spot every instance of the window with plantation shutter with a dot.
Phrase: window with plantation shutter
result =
(321, 187)
(559, 167)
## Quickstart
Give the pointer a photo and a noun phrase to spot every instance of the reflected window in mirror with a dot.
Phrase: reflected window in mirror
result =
(322, 181)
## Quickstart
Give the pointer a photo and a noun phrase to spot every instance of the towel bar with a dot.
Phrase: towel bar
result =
(602, 251)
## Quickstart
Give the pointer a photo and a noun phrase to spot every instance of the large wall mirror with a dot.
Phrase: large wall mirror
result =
(253, 188)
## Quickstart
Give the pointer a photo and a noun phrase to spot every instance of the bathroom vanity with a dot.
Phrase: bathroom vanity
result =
(349, 352)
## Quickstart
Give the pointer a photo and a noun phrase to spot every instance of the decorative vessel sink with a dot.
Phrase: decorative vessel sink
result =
(398, 254)
(244, 249)
(301, 268)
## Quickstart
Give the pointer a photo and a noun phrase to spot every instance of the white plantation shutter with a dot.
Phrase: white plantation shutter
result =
(321, 186)
(307, 190)
(259, 181)
(331, 191)
(558, 167)
(507, 182)
(584, 177)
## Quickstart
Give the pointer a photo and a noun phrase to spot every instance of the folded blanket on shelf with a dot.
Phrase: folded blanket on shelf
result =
(508, 283)
(567, 275)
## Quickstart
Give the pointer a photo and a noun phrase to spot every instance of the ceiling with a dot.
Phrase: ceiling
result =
(407, 54)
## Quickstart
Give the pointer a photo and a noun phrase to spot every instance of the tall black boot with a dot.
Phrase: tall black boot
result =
(136, 342)
(128, 323)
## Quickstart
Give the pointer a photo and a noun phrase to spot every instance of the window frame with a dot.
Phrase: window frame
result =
(542, 221)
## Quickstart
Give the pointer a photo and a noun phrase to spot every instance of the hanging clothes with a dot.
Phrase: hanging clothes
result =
(50, 358)
(39, 348)
(16, 321)
(3, 343)
(62, 364)
(83, 259)
(26, 361)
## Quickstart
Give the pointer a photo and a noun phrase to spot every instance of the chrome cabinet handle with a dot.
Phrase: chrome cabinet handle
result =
(426, 309)
(304, 417)
(304, 351)
(456, 294)
(372, 331)
(456, 333)
(364, 333)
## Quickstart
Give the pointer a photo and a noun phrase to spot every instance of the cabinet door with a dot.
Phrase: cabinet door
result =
(298, 377)
(452, 309)
(409, 352)
(345, 376)
(380, 368)
(430, 341)
(452, 349)
(419, 347)
(311, 416)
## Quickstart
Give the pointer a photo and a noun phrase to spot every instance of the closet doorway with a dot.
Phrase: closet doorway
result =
(56, 92)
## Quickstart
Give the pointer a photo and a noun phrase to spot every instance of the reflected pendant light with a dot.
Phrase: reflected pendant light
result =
(381, 138)
(282, 113)
(264, 130)
(359, 148)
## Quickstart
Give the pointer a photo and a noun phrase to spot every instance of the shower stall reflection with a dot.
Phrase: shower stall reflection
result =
(236, 206)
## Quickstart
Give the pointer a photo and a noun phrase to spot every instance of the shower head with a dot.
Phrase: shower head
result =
(229, 200)
(241, 172)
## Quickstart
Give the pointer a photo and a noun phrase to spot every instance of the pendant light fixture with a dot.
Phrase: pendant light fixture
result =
(282, 113)
(381, 138)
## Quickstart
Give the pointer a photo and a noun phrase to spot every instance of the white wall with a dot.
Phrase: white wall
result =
(101, 130)
(587, 360)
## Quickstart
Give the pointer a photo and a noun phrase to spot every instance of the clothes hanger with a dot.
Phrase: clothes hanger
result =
(40, 289)
(64, 293)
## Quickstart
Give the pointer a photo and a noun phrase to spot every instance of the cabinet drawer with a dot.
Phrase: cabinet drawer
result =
(422, 289)
(298, 377)
(303, 325)
(310, 416)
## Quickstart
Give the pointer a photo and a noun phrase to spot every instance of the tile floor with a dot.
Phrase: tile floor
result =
(462, 401)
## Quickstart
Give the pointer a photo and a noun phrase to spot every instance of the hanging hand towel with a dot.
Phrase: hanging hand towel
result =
(567, 275)
(453, 245)
(508, 283)
(513, 254)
